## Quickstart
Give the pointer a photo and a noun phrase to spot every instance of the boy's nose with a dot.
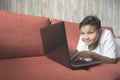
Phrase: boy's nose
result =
(86, 36)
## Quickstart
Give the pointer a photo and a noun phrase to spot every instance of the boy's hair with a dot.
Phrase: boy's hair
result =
(91, 20)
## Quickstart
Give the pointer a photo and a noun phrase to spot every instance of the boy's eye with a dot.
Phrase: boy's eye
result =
(82, 33)
(90, 32)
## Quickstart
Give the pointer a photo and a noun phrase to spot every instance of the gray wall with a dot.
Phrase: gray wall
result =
(70, 10)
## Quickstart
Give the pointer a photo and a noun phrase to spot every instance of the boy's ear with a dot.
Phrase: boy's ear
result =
(100, 31)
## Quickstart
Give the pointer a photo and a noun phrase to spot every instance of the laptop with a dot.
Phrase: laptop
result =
(56, 47)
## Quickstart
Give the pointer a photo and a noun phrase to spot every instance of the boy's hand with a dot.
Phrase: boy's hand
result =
(73, 51)
(80, 55)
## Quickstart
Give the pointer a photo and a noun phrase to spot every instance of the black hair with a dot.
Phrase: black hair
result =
(91, 20)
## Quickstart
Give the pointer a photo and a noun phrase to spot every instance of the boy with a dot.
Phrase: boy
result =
(95, 43)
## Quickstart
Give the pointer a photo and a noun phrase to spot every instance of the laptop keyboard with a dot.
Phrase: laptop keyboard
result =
(80, 62)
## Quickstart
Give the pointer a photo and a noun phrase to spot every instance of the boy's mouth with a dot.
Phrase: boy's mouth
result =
(87, 41)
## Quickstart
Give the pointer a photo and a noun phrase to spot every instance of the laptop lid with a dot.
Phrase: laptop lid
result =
(55, 43)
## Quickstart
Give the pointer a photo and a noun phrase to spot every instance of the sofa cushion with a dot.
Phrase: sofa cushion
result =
(20, 35)
(41, 68)
(107, 71)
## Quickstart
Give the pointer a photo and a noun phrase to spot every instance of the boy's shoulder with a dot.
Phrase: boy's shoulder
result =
(106, 32)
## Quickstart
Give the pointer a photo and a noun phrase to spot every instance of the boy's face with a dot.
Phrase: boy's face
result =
(89, 34)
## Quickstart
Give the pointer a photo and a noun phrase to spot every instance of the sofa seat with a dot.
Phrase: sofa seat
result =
(107, 71)
(36, 68)
(40, 68)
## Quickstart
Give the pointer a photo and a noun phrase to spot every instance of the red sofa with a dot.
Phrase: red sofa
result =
(22, 54)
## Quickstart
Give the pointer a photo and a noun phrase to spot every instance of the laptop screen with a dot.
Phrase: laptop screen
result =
(55, 43)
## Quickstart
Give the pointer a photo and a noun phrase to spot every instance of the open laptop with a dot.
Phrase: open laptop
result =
(56, 47)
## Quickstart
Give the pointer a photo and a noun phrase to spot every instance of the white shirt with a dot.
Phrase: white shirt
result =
(107, 46)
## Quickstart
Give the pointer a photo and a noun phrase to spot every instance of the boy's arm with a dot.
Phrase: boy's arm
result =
(75, 55)
(102, 58)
